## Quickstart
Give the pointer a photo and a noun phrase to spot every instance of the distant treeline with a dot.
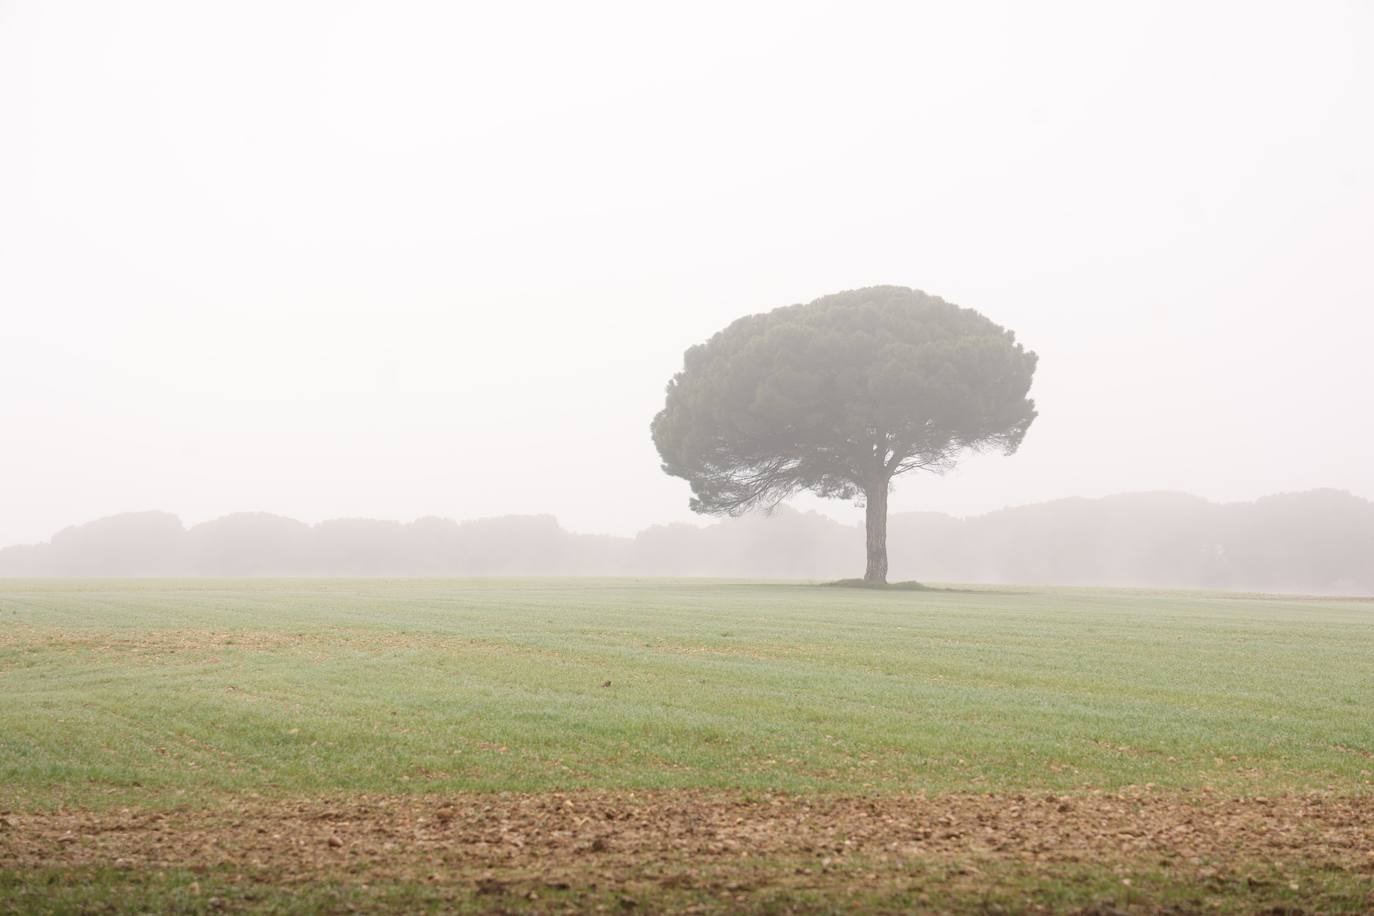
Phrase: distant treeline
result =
(1320, 541)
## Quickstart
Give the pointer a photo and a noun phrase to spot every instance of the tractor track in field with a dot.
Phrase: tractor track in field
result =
(665, 836)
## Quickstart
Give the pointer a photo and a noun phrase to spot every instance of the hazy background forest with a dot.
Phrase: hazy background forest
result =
(1318, 542)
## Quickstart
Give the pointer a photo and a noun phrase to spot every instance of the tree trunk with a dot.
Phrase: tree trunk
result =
(875, 524)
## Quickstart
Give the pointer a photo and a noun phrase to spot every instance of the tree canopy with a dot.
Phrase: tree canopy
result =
(839, 396)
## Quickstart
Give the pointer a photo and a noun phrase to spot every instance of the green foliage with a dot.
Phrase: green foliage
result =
(838, 396)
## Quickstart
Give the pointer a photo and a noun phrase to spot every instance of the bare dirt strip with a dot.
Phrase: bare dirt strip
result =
(665, 838)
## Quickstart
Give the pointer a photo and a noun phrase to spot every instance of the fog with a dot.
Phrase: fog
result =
(396, 261)
(1317, 542)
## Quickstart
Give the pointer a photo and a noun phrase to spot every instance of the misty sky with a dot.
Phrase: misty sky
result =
(394, 259)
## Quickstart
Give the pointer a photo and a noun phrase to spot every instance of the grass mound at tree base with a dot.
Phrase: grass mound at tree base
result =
(909, 586)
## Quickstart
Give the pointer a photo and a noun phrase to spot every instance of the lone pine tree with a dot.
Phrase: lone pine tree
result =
(839, 396)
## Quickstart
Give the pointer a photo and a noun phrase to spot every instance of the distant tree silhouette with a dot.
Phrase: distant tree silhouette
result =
(133, 543)
(1314, 542)
(250, 544)
(840, 396)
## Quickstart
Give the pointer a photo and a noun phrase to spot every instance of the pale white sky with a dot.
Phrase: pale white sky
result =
(393, 259)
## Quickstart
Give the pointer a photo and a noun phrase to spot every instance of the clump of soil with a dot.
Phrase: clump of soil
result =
(620, 835)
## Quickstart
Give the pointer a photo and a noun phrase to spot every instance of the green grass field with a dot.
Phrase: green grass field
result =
(166, 694)
(152, 692)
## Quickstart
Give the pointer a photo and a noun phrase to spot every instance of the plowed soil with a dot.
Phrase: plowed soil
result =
(673, 839)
